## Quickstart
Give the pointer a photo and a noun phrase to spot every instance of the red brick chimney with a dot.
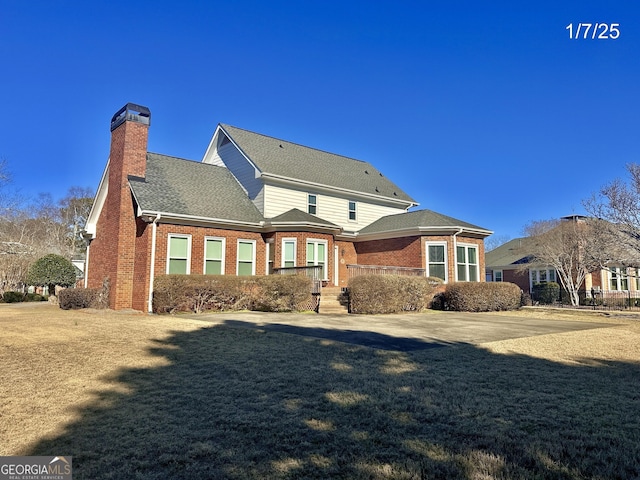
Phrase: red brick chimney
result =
(128, 156)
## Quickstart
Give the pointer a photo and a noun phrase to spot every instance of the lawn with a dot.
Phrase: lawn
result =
(135, 396)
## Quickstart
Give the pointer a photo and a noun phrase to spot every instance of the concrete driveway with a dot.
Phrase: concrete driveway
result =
(402, 332)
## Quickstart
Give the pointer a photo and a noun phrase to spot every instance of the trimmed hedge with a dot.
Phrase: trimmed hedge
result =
(16, 297)
(374, 294)
(482, 296)
(546, 292)
(199, 293)
(12, 297)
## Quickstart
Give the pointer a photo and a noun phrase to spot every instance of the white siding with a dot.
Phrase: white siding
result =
(278, 200)
(244, 171)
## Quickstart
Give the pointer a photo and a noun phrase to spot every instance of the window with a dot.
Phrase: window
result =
(289, 252)
(312, 204)
(246, 257)
(214, 256)
(497, 276)
(179, 254)
(352, 211)
(437, 260)
(467, 262)
(317, 255)
(618, 278)
(542, 275)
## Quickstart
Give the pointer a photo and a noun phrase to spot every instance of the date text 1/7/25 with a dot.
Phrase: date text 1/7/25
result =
(594, 31)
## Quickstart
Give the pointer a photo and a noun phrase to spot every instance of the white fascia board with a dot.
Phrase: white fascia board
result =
(98, 202)
(212, 148)
(419, 231)
(168, 217)
(294, 226)
(288, 181)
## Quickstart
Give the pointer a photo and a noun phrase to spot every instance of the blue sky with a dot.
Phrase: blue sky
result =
(484, 111)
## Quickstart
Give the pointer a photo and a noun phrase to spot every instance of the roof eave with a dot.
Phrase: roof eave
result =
(419, 231)
(295, 226)
(353, 193)
(178, 218)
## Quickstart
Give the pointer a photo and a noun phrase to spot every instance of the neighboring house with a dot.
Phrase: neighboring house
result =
(253, 204)
(510, 263)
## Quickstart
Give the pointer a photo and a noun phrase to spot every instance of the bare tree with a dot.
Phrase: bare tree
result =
(619, 203)
(494, 241)
(573, 247)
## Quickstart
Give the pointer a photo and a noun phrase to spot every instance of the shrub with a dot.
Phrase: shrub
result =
(482, 297)
(546, 293)
(374, 294)
(52, 270)
(282, 293)
(34, 297)
(199, 293)
(75, 298)
(13, 297)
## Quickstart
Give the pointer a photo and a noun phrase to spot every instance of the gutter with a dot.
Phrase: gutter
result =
(154, 231)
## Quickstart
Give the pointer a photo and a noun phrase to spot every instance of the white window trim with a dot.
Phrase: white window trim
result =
(501, 275)
(224, 254)
(309, 204)
(268, 248)
(537, 271)
(295, 251)
(620, 275)
(446, 258)
(179, 235)
(355, 211)
(477, 264)
(315, 250)
(253, 259)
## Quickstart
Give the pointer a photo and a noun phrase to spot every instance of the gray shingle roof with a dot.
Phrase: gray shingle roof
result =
(183, 187)
(298, 216)
(510, 253)
(417, 219)
(290, 160)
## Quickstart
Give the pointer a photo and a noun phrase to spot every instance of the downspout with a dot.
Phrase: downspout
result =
(455, 255)
(86, 266)
(152, 269)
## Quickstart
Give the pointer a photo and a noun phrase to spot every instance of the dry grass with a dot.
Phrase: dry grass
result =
(132, 396)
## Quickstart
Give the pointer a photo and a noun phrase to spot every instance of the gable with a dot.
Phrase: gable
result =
(281, 161)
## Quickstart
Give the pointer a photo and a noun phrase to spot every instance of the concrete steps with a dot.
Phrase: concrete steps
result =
(330, 302)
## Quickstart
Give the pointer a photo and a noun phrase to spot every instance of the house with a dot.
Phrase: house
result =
(512, 262)
(254, 204)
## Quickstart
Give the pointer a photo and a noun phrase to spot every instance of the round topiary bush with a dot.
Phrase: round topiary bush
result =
(52, 270)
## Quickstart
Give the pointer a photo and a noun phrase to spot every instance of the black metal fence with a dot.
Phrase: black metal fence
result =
(611, 299)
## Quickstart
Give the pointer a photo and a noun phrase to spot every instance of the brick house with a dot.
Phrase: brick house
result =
(511, 262)
(255, 203)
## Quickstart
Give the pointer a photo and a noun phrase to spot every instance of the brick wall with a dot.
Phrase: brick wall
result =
(198, 235)
(113, 251)
(397, 252)
(520, 278)
(346, 256)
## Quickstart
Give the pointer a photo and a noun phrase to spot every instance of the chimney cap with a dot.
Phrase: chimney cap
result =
(131, 112)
